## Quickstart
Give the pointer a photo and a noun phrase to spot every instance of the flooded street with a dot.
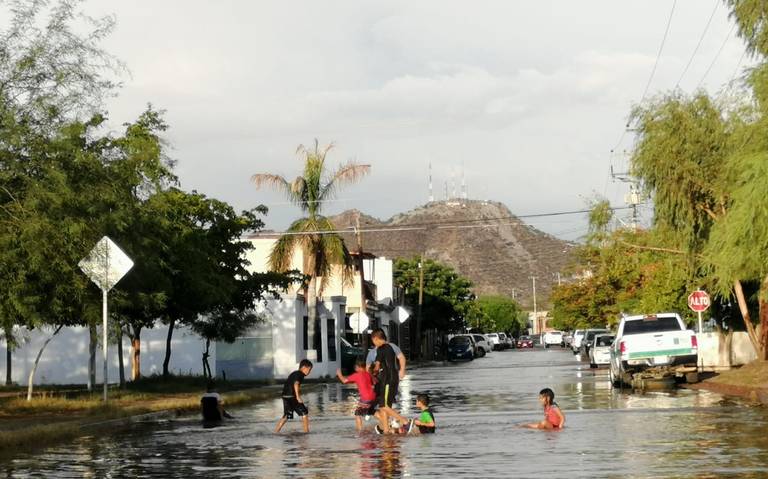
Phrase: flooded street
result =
(478, 405)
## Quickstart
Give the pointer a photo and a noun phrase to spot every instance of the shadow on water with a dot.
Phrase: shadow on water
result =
(479, 405)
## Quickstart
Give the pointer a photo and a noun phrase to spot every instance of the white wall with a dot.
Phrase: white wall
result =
(714, 352)
(65, 359)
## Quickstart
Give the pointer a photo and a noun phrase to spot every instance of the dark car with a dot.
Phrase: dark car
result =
(349, 354)
(524, 342)
(461, 347)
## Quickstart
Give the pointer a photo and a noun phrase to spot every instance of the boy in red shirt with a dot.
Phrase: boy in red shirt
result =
(366, 405)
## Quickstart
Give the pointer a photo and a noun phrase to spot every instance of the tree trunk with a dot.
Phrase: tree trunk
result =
(93, 344)
(167, 359)
(37, 361)
(8, 366)
(763, 333)
(136, 354)
(311, 313)
(121, 365)
(207, 367)
(745, 315)
(8, 356)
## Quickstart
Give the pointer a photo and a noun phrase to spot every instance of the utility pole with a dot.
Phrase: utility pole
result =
(633, 198)
(362, 338)
(535, 315)
(514, 293)
(417, 350)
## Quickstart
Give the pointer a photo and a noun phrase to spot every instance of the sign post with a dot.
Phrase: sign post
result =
(699, 302)
(106, 264)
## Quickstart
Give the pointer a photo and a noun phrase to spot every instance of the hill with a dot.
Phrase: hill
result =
(482, 240)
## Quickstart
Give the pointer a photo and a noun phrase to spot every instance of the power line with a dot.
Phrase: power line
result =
(658, 55)
(717, 55)
(701, 39)
(455, 224)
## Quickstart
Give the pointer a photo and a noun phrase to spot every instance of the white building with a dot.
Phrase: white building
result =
(274, 348)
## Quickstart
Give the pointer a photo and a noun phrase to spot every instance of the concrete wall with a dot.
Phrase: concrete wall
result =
(715, 352)
(65, 360)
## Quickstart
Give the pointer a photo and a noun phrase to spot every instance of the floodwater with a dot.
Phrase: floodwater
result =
(478, 406)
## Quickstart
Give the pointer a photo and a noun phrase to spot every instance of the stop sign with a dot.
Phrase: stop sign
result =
(698, 301)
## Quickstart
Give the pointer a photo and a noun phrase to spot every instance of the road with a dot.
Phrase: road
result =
(479, 406)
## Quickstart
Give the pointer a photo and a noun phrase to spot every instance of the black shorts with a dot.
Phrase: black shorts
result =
(365, 408)
(291, 405)
(386, 393)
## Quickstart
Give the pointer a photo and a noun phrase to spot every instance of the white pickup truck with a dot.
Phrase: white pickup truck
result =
(653, 348)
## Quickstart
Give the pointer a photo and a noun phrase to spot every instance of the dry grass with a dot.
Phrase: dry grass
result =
(753, 375)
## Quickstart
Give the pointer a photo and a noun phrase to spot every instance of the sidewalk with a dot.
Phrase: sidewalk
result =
(749, 381)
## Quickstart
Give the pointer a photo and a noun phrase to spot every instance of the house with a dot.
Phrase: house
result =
(274, 348)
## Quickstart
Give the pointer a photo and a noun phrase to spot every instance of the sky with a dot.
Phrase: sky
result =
(525, 98)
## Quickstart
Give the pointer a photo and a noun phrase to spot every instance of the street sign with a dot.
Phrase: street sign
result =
(402, 314)
(106, 264)
(359, 322)
(698, 301)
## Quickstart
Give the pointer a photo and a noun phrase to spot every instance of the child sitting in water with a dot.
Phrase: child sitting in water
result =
(553, 416)
(426, 420)
(424, 424)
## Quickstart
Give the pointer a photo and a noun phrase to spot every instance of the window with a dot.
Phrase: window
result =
(652, 324)
(459, 341)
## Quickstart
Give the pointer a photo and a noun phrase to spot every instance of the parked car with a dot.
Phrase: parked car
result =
(494, 340)
(567, 338)
(600, 351)
(524, 342)
(657, 341)
(586, 342)
(552, 338)
(505, 342)
(482, 347)
(461, 347)
(578, 335)
(349, 354)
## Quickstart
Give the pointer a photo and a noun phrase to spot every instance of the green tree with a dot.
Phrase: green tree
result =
(52, 66)
(693, 157)
(448, 299)
(314, 233)
(503, 314)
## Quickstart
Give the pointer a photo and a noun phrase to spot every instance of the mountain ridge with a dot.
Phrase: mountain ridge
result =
(482, 240)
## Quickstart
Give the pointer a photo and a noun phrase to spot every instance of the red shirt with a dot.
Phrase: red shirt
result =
(364, 382)
(550, 414)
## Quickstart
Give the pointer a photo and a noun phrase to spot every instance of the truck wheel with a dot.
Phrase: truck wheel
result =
(592, 366)
(691, 378)
(613, 380)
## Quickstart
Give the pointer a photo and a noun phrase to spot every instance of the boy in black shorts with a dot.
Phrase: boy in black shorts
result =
(388, 378)
(292, 396)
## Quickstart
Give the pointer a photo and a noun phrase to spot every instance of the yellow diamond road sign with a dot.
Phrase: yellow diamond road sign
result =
(106, 264)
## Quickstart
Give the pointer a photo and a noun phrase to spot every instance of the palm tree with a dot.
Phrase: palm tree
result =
(313, 234)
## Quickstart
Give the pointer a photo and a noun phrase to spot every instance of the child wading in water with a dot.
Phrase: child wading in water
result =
(366, 405)
(553, 416)
(292, 396)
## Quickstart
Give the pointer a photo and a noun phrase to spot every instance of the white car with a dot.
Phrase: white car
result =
(578, 335)
(481, 345)
(552, 338)
(494, 340)
(600, 352)
(504, 341)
